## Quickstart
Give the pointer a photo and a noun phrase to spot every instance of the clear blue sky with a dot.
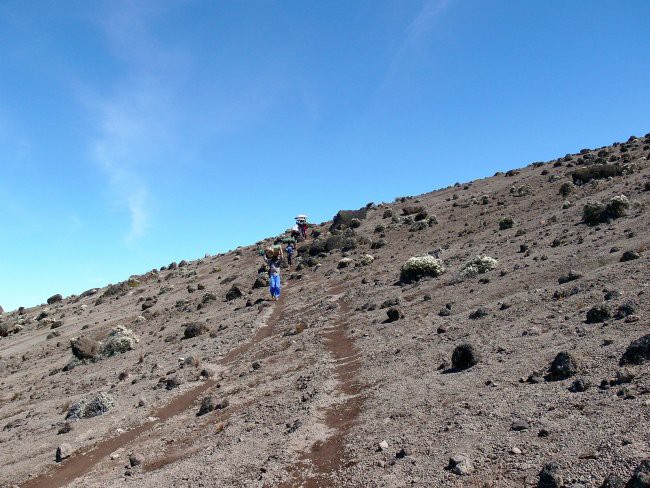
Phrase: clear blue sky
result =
(135, 133)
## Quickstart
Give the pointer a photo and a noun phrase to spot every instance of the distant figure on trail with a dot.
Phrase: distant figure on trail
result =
(301, 223)
(290, 249)
(273, 258)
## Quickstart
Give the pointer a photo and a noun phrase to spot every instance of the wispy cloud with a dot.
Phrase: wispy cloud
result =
(415, 36)
(133, 115)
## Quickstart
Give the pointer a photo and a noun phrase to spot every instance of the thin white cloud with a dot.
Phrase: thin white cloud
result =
(415, 35)
(134, 118)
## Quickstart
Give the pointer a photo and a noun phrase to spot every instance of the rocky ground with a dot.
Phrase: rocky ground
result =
(528, 369)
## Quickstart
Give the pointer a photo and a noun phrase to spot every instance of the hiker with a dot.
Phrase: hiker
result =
(301, 222)
(273, 258)
(289, 251)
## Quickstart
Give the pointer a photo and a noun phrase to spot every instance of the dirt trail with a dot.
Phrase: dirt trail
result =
(324, 460)
(82, 462)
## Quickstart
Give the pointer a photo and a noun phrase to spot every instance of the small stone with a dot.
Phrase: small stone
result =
(549, 476)
(63, 451)
(383, 446)
(515, 450)
(460, 464)
(519, 425)
(136, 459)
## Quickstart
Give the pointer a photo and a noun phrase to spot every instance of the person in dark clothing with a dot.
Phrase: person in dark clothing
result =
(290, 250)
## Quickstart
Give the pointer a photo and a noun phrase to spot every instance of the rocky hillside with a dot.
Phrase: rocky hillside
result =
(493, 333)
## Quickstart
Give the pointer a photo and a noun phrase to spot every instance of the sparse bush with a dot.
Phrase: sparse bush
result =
(380, 228)
(595, 213)
(418, 226)
(596, 172)
(420, 266)
(98, 405)
(412, 210)
(506, 223)
(119, 340)
(345, 262)
(566, 189)
(478, 265)
(521, 191)
(355, 223)
(366, 260)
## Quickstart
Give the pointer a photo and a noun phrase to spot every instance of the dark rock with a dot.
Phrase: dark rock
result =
(444, 312)
(595, 172)
(549, 476)
(563, 366)
(261, 282)
(599, 313)
(344, 217)
(641, 476)
(578, 386)
(194, 329)
(62, 452)
(613, 481)
(84, 348)
(570, 276)
(628, 308)
(519, 425)
(465, 356)
(393, 313)
(148, 303)
(210, 404)
(54, 299)
(630, 256)
(234, 292)
(137, 459)
(637, 352)
(171, 383)
(478, 314)
(413, 210)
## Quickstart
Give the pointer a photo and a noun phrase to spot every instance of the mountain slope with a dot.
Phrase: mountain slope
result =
(304, 390)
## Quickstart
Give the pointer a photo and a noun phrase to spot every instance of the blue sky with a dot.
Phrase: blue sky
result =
(136, 133)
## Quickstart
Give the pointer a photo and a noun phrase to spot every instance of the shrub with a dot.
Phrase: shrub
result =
(506, 223)
(595, 213)
(366, 259)
(412, 210)
(566, 189)
(595, 172)
(119, 340)
(478, 265)
(420, 266)
(345, 262)
(98, 405)
(418, 226)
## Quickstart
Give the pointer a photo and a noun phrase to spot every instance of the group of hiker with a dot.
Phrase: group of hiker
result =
(274, 255)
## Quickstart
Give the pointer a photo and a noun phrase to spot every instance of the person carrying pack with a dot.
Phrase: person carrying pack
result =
(273, 259)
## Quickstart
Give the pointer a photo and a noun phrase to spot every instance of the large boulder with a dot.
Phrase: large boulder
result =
(465, 356)
(344, 218)
(564, 366)
(54, 299)
(550, 477)
(641, 476)
(638, 352)
(345, 243)
(84, 348)
(194, 329)
(234, 292)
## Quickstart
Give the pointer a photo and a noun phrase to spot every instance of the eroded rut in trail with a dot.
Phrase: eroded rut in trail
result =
(319, 466)
(82, 463)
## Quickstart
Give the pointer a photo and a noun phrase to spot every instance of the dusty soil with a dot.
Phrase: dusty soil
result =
(316, 381)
